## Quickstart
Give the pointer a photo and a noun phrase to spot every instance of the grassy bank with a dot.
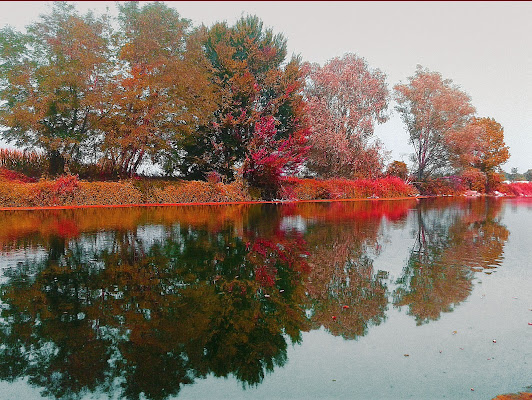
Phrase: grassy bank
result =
(16, 190)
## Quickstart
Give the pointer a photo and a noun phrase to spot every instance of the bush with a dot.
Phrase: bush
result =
(473, 179)
(516, 188)
(28, 163)
(447, 186)
(314, 189)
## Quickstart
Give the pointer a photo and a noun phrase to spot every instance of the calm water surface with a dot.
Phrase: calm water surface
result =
(427, 299)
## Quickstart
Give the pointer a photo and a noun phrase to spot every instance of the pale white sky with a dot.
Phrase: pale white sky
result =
(485, 47)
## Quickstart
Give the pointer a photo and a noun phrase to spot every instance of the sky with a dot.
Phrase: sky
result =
(485, 47)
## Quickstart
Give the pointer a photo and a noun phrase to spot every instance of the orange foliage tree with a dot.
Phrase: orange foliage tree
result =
(160, 94)
(50, 78)
(432, 109)
(483, 149)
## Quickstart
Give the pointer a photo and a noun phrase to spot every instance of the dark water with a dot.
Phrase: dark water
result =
(350, 300)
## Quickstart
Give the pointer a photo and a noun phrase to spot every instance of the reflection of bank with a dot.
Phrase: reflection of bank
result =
(451, 244)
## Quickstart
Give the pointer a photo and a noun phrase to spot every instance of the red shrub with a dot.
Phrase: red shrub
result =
(314, 189)
(13, 176)
(516, 188)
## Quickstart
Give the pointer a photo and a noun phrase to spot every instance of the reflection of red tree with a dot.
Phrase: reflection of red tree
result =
(344, 293)
(267, 253)
(65, 228)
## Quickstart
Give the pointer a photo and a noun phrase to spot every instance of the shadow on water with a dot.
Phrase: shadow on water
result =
(143, 301)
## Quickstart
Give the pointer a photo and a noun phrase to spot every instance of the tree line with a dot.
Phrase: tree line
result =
(223, 101)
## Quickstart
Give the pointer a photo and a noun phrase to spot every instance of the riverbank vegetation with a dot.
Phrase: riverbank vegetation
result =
(151, 109)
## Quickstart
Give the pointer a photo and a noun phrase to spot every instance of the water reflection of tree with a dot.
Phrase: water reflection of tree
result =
(346, 295)
(451, 244)
(153, 317)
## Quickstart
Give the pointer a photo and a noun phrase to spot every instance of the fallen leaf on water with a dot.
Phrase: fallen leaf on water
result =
(455, 332)
(345, 307)
(407, 355)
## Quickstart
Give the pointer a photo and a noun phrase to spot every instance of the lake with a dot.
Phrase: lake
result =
(420, 298)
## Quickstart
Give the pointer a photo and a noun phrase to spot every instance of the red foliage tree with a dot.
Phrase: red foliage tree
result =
(345, 100)
(269, 156)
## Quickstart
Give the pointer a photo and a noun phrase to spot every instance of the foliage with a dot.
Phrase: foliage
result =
(31, 164)
(345, 100)
(50, 79)
(268, 157)
(516, 188)
(441, 186)
(481, 145)
(313, 189)
(253, 83)
(159, 94)
(474, 179)
(398, 169)
(433, 110)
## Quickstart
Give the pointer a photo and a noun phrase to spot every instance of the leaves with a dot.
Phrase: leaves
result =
(345, 100)
(433, 110)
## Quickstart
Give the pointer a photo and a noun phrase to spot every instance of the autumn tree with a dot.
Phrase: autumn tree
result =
(254, 82)
(433, 109)
(160, 93)
(346, 98)
(480, 149)
(268, 157)
(398, 169)
(50, 78)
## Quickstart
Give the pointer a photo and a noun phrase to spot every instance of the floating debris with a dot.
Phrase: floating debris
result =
(494, 341)
(455, 332)
(406, 355)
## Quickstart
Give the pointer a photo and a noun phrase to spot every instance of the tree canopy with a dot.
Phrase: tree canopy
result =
(433, 109)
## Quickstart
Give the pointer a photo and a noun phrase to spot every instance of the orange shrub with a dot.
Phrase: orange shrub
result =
(198, 192)
(473, 179)
(448, 186)
(314, 189)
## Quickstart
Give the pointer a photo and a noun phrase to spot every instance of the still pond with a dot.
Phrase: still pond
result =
(422, 299)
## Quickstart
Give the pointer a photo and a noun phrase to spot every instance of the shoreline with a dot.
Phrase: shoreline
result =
(215, 203)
